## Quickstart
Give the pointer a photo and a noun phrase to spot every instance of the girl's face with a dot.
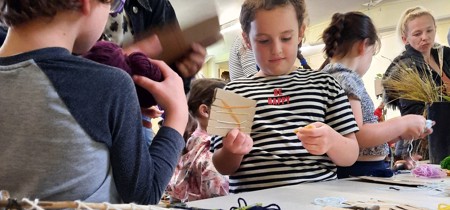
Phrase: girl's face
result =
(420, 33)
(274, 38)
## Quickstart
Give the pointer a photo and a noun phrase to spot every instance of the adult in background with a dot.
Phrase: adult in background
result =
(137, 18)
(242, 61)
(417, 30)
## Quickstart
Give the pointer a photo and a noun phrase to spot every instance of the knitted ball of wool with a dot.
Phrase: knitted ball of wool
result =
(445, 163)
(137, 63)
(109, 54)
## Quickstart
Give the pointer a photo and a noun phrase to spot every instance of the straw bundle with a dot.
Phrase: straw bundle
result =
(406, 83)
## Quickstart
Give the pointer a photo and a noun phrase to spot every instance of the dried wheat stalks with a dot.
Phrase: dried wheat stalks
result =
(407, 83)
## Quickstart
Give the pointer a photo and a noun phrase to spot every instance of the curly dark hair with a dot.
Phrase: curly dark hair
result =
(17, 12)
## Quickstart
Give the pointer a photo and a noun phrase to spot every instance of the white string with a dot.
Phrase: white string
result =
(410, 149)
(392, 157)
(233, 123)
(34, 205)
(81, 205)
(133, 206)
(227, 112)
(110, 206)
(137, 207)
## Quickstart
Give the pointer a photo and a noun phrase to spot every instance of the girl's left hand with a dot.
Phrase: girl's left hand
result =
(316, 138)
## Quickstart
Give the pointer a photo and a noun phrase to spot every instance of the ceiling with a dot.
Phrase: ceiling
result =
(191, 11)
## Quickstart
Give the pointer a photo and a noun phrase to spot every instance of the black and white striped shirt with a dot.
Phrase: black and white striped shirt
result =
(285, 103)
(242, 61)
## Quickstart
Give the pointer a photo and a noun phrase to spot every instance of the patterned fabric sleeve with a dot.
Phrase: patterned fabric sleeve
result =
(351, 84)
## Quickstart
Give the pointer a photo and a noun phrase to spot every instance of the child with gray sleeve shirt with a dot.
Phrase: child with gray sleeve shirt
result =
(71, 128)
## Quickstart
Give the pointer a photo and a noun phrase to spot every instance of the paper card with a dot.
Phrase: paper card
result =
(230, 110)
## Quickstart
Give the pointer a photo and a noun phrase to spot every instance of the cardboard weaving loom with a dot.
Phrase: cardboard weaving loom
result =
(230, 110)
(176, 42)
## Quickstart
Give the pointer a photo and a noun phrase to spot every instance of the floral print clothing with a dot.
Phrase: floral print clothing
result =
(195, 176)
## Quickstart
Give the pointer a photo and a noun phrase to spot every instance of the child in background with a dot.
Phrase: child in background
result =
(287, 98)
(71, 128)
(351, 41)
(195, 176)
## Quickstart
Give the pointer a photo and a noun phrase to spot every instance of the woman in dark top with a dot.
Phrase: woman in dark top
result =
(417, 28)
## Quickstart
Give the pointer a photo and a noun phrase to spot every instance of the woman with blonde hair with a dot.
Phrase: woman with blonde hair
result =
(417, 30)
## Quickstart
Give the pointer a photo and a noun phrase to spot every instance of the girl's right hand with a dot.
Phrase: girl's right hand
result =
(237, 142)
(415, 127)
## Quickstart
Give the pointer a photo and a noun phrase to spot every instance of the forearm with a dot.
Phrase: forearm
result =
(176, 119)
(345, 152)
(165, 151)
(371, 135)
(226, 163)
(139, 170)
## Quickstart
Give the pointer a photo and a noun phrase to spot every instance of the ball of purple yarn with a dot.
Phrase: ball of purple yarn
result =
(111, 54)
(141, 65)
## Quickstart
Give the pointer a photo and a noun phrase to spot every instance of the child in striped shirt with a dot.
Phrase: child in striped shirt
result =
(273, 155)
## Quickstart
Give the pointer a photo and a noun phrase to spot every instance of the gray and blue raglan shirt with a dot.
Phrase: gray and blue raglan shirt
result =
(70, 129)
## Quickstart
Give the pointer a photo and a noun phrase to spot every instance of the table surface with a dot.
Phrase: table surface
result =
(302, 196)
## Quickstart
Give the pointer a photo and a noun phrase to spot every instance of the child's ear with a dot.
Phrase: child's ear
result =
(203, 111)
(301, 33)
(85, 6)
(362, 46)
(246, 40)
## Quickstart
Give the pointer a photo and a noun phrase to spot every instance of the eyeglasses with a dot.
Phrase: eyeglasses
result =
(116, 6)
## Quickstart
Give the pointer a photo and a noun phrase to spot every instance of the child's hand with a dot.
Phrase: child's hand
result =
(237, 142)
(169, 94)
(191, 63)
(415, 127)
(317, 137)
(152, 112)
